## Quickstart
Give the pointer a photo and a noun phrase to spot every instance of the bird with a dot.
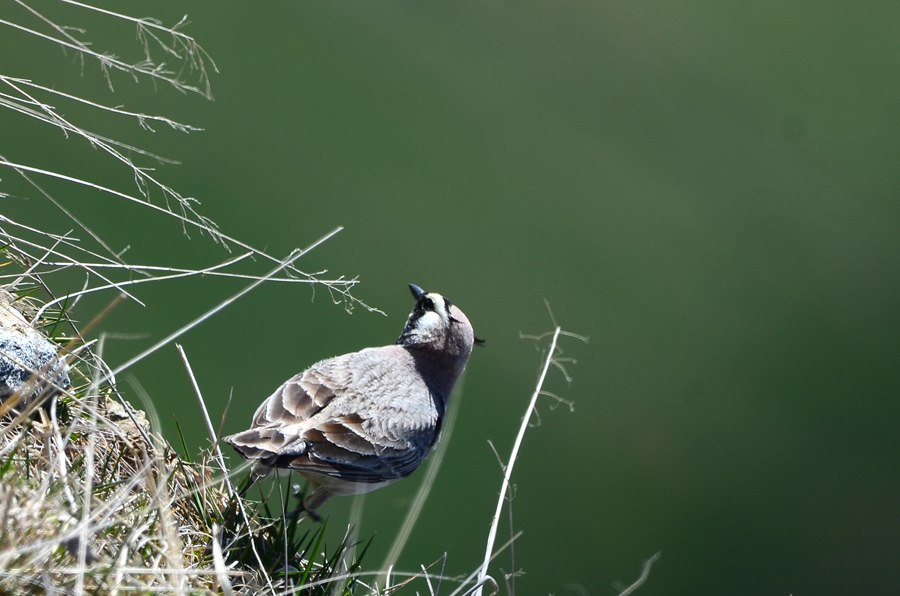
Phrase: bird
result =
(361, 421)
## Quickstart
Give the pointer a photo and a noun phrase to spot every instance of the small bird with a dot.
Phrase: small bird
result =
(358, 422)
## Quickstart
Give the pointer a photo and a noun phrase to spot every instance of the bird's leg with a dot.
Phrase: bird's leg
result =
(298, 492)
(310, 514)
(246, 485)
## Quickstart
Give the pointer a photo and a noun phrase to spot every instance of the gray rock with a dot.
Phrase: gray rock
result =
(28, 360)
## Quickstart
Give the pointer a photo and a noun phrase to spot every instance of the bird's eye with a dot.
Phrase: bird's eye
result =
(428, 304)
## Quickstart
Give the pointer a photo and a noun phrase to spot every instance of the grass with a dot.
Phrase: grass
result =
(95, 501)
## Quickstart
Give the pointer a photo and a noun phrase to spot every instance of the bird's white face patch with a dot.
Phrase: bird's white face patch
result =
(435, 315)
(429, 320)
(439, 306)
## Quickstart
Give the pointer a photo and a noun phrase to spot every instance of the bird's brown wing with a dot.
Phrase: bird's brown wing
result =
(299, 398)
(335, 449)
(291, 430)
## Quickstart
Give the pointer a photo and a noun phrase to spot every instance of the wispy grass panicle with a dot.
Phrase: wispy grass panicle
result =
(163, 54)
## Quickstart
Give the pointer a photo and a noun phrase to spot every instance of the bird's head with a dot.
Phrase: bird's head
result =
(437, 324)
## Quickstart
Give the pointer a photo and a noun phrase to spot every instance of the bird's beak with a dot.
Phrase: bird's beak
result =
(417, 292)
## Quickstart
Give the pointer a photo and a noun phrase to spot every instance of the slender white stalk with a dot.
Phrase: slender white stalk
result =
(212, 271)
(507, 473)
(354, 523)
(108, 60)
(142, 118)
(65, 239)
(68, 213)
(87, 497)
(119, 285)
(209, 427)
(645, 573)
(19, 242)
(219, 562)
(462, 587)
(296, 254)
(182, 219)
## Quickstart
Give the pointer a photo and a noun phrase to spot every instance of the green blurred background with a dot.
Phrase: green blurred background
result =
(707, 190)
